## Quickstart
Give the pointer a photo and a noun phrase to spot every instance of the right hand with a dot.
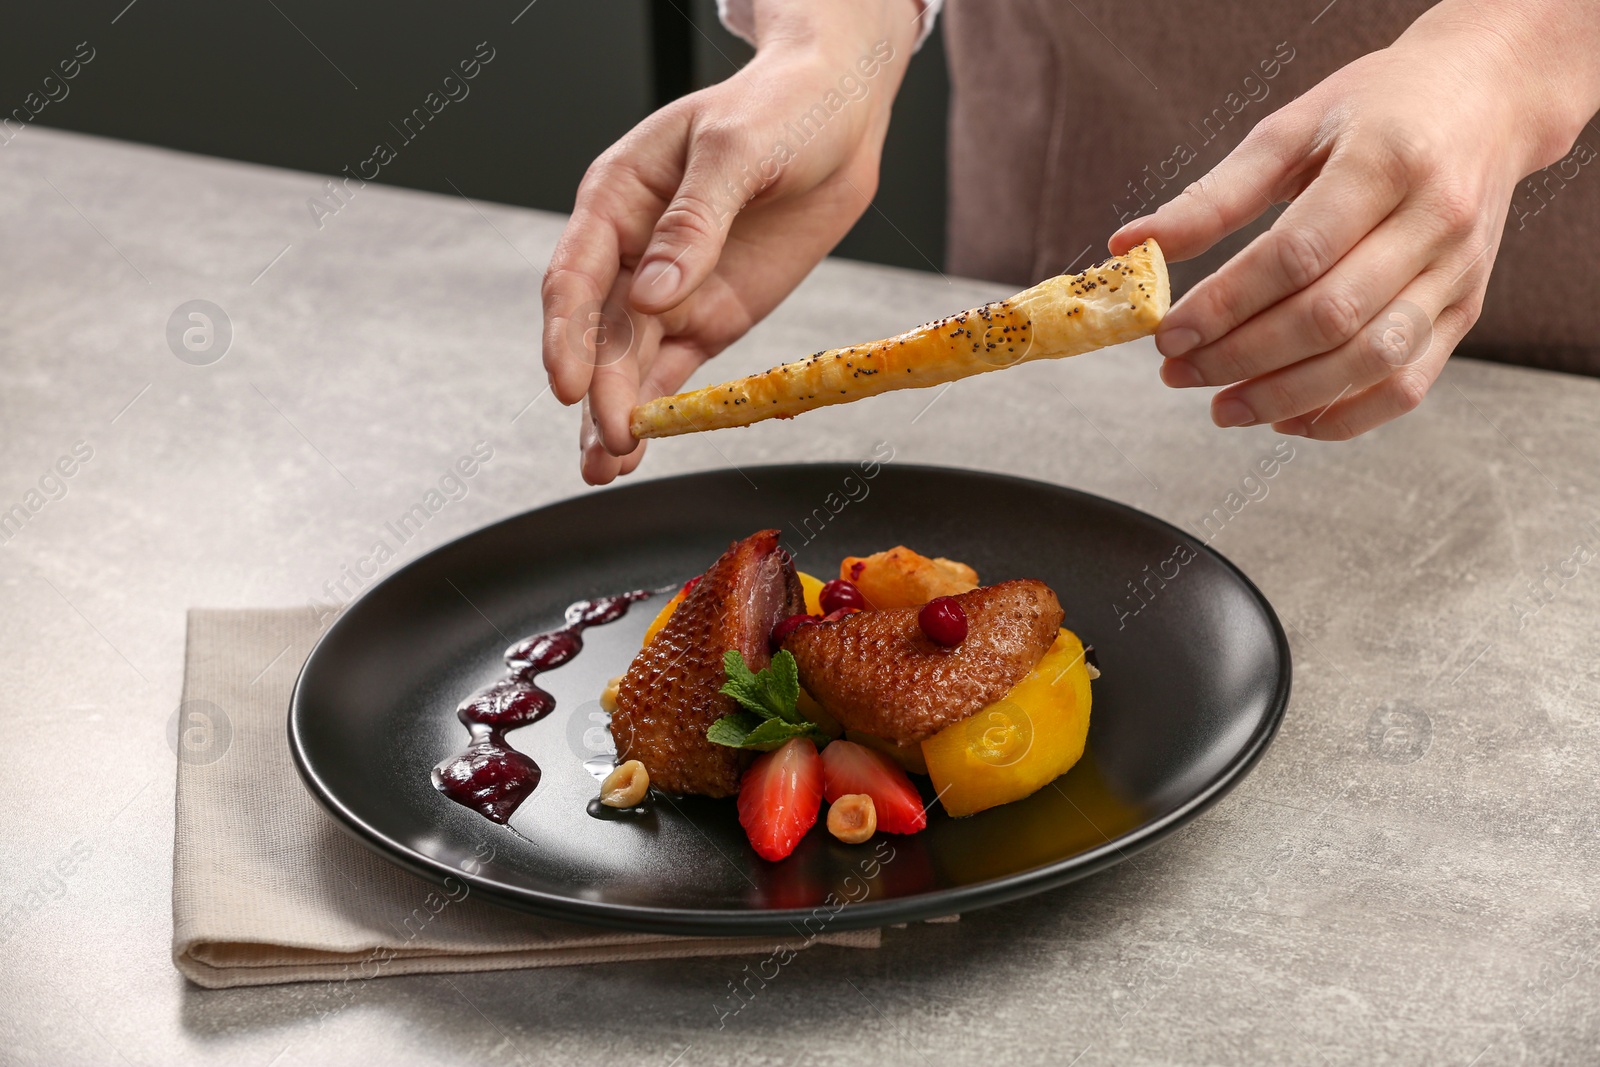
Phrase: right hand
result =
(704, 216)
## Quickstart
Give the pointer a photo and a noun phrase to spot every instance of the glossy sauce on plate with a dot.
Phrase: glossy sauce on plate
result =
(490, 776)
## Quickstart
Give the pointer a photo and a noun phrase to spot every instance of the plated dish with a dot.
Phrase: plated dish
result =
(1193, 687)
(765, 683)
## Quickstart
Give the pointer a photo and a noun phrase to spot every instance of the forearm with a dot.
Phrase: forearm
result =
(836, 26)
(1545, 54)
(861, 49)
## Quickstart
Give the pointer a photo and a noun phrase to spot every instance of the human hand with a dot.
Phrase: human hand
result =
(702, 218)
(1399, 171)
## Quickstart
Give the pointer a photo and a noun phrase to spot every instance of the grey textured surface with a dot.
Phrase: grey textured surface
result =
(1409, 875)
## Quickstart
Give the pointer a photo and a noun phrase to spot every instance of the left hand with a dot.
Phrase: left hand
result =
(1399, 171)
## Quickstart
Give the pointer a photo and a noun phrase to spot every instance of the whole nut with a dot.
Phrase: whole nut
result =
(853, 818)
(626, 786)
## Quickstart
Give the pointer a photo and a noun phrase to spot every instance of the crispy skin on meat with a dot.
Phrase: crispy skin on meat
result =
(879, 673)
(670, 693)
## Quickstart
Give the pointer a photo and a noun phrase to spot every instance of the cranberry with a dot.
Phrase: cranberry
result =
(944, 621)
(839, 613)
(840, 593)
(788, 626)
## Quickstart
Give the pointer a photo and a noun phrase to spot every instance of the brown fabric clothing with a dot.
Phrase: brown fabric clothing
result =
(1069, 117)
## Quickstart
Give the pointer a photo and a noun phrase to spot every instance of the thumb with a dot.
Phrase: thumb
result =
(1266, 169)
(688, 238)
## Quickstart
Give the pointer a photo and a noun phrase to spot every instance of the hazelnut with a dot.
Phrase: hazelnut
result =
(626, 786)
(608, 696)
(852, 818)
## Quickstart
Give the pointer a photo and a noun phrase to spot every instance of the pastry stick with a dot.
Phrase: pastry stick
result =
(1121, 299)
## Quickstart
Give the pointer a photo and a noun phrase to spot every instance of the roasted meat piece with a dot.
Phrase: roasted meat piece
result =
(670, 693)
(877, 672)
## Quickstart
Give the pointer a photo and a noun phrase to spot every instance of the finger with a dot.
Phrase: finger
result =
(581, 271)
(630, 462)
(1264, 170)
(1400, 392)
(597, 461)
(672, 366)
(595, 464)
(600, 467)
(1321, 318)
(1347, 199)
(610, 220)
(1399, 335)
(614, 390)
(690, 233)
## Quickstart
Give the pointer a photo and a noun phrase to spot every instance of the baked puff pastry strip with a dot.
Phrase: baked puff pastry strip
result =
(1120, 300)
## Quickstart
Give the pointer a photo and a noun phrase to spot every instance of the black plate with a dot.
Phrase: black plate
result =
(1193, 687)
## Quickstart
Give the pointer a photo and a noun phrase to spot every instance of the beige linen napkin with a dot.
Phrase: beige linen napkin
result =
(266, 889)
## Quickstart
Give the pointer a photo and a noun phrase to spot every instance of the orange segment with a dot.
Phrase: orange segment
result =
(812, 587)
(1020, 743)
(901, 578)
(661, 618)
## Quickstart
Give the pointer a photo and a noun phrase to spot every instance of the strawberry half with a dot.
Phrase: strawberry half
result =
(851, 768)
(780, 796)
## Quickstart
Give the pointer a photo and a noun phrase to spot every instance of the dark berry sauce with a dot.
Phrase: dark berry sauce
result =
(491, 777)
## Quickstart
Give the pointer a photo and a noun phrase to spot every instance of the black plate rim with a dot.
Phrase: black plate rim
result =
(853, 916)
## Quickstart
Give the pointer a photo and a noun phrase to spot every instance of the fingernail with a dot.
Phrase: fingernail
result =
(1176, 342)
(1181, 374)
(657, 281)
(1231, 411)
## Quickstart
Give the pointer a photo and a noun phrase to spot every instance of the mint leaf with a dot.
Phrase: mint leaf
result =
(768, 697)
(736, 731)
(770, 692)
(731, 730)
(774, 732)
(739, 677)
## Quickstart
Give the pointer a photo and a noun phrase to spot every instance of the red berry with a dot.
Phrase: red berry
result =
(944, 621)
(779, 798)
(840, 593)
(851, 768)
(839, 613)
(787, 627)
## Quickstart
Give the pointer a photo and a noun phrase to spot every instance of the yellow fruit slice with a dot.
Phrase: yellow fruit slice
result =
(812, 587)
(1020, 743)
(661, 618)
(901, 578)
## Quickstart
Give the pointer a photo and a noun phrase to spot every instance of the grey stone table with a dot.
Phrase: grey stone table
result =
(1408, 876)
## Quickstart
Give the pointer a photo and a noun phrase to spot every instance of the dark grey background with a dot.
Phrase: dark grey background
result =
(315, 84)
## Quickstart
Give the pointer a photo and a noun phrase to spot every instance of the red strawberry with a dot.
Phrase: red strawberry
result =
(780, 796)
(851, 768)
